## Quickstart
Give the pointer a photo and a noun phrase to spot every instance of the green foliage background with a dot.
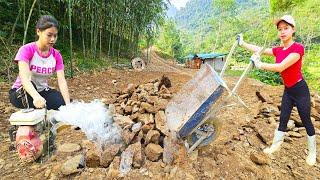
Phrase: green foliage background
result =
(217, 29)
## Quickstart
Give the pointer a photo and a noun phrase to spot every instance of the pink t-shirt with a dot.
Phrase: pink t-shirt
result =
(41, 67)
(292, 74)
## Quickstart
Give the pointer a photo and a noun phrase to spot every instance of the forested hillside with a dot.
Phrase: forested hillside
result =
(89, 30)
(204, 26)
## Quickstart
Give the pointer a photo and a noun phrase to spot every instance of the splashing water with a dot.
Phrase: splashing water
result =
(94, 119)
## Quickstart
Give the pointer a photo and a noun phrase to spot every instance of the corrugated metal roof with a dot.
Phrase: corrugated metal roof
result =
(206, 55)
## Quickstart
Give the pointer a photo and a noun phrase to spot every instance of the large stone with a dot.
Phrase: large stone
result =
(108, 154)
(135, 108)
(138, 137)
(160, 104)
(259, 158)
(317, 106)
(148, 87)
(87, 144)
(263, 97)
(147, 127)
(73, 165)
(112, 109)
(153, 151)
(93, 158)
(134, 96)
(265, 136)
(315, 114)
(166, 96)
(156, 86)
(152, 137)
(297, 121)
(142, 96)
(164, 90)
(136, 127)
(61, 126)
(145, 118)
(123, 96)
(113, 171)
(147, 107)
(126, 162)
(69, 148)
(169, 149)
(119, 110)
(128, 110)
(161, 124)
(138, 158)
(123, 121)
(290, 125)
(152, 99)
(129, 89)
(127, 136)
(294, 134)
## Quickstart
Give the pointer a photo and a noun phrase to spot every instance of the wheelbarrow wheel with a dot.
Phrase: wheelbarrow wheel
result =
(212, 125)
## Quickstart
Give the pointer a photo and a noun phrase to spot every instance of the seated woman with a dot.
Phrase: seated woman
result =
(37, 61)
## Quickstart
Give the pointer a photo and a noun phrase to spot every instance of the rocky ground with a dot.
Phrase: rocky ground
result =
(148, 149)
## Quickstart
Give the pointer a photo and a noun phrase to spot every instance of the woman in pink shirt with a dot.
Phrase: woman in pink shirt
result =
(296, 92)
(37, 61)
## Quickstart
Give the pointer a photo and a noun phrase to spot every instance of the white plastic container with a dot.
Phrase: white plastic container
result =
(28, 117)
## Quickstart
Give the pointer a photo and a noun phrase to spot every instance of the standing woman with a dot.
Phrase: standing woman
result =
(37, 61)
(288, 58)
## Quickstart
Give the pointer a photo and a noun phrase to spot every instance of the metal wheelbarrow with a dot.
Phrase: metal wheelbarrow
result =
(191, 114)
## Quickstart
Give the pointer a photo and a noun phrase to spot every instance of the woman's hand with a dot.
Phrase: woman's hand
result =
(39, 102)
(255, 59)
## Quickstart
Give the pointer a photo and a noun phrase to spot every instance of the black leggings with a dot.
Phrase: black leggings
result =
(298, 95)
(53, 98)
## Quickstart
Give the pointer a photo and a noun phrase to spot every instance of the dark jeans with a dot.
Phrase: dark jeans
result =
(298, 95)
(53, 98)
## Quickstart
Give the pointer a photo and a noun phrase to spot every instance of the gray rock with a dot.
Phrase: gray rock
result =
(290, 125)
(136, 127)
(126, 162)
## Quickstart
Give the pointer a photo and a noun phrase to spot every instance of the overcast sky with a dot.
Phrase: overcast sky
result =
(179, 3)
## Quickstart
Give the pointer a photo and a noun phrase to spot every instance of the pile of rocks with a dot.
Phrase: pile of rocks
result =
(139, 111)
(269, 111)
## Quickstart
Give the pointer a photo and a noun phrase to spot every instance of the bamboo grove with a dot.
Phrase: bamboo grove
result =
(93, 28)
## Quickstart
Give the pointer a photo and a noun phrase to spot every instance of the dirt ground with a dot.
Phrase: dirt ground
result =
(235, 154)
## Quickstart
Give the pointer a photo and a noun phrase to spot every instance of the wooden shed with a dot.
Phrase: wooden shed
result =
(215, 60)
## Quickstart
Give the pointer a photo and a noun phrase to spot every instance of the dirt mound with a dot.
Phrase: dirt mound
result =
(235, 154)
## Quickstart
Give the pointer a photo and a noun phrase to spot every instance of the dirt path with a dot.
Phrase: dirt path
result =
(236, 154)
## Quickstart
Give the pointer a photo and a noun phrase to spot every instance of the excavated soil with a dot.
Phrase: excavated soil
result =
(235, 154)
